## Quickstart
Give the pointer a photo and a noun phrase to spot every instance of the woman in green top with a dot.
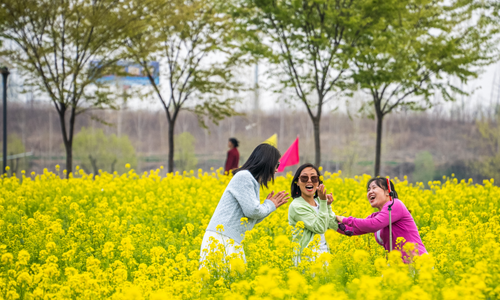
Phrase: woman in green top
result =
(314, 211)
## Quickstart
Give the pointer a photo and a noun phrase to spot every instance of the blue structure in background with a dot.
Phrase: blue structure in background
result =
(133, 73)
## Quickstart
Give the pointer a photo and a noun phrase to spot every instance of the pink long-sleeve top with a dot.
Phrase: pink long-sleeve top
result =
(403, 225)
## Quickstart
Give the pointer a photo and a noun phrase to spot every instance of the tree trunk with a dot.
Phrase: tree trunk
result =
(67, 136)
(378, 147)
(67, 144)
(171, 124)
(69, 158)
(93, 162)
(317, 144)
(113, 166)
(15, 164)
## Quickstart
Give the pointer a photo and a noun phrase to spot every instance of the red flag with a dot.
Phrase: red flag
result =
(291, 156)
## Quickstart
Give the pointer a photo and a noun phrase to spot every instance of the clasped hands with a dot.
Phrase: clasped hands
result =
(279, 199)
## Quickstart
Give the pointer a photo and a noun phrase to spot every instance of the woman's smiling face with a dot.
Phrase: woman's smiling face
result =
(377, 196)
(308, 189)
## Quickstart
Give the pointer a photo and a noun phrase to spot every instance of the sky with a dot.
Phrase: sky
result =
(269, 101)
(481, 89)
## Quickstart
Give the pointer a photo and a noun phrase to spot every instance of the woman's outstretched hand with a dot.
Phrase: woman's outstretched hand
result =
(279, 199)
(340, 218)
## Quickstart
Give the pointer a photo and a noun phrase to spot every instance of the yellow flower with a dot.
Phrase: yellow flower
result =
(242, 287)
(119, 236)
(23, 257)
(190, 228)
(219, 282)
(237, 265)
(38, 292)
(201, 274)
(282, 241)
(300, 224)
(7, 258)
(107, 251)
(409, 247)
(360, 256)
(120, 275)
(24, 277)
(51, 246)
(131, 292)
(297, 284)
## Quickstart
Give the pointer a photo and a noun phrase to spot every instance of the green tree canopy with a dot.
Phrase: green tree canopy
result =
(185, 157)
(408, 59)
(424, 167)
(487, 144)
(312, 42)
(97, 151)
(194, 41)
(63, 48)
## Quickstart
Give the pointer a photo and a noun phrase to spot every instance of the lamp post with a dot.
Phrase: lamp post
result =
(5, 74)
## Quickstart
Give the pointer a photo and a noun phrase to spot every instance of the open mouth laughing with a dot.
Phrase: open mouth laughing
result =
(371, 198)
(309, 188)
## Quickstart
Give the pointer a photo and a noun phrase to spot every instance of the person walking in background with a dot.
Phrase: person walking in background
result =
(239, 208)
(233, 156)
(312, 206)
(403, 225)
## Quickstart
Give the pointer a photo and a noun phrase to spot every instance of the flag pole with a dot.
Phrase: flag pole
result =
(391, 198)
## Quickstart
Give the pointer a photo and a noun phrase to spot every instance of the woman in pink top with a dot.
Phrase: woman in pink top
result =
(403, 224)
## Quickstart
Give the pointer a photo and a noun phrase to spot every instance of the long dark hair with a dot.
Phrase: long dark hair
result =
(295, 189)
(382, 183)
(262, 163)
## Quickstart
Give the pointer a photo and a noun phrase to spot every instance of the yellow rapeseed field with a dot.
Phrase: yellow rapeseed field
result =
(138, 236)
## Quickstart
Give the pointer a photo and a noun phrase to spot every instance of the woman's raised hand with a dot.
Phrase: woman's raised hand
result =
(322, 192)
(279, 199)
(323, 196)
(329, 199)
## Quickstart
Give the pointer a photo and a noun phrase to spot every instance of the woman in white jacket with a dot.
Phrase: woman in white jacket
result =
(241, 200)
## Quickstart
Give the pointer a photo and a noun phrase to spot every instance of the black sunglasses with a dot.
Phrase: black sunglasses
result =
(305, 178)
(278, 165)
(347, 232)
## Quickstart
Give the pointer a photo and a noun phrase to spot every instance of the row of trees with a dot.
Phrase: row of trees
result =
(401, 53)
(97, 151)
